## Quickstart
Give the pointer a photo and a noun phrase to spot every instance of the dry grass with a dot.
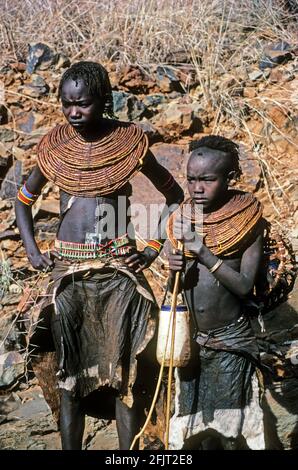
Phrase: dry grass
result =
(5, 275)
(213, 33)
(219, 40)
(215, 37)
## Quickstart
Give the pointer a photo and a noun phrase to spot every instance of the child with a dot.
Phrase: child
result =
(216, 395)
(102, 310)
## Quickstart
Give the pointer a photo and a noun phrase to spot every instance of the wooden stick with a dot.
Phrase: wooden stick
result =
(174, 301)
(173, 322)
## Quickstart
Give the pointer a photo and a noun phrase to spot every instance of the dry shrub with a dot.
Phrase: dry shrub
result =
(211, 40)
(145, 31)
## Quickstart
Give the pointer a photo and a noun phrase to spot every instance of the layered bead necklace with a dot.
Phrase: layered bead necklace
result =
(90, 168)
(224, 231)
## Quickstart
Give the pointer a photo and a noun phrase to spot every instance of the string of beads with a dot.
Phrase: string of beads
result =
(89, 168)
(224, 231)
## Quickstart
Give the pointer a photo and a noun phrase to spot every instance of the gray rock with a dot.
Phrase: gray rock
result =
(5, 322)
(127, 107)
(151, 131)
(251, 171)
(100, 434)
(280, 404)
(12, 367)
(34, 138)
(12, 181)
(7, 135)
(257, 74)
(38, 80)
(5, 161)
(167, 80)
(40, 56)
(275, 54)
(27, 123)
(35, 90)
(154, 100)
(179, 119)
(38, 432)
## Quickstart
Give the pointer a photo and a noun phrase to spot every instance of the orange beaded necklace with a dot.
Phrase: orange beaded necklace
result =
(224, 231)
(100, 167)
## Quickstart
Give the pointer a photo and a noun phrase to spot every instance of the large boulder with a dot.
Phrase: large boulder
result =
(180, 118)
(127, 107)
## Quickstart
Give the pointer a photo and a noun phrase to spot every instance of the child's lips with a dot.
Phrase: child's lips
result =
(76, 123)
(200, 200)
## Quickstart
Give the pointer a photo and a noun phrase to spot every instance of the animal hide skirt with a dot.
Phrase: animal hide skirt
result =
(102, 316)
(217, 394)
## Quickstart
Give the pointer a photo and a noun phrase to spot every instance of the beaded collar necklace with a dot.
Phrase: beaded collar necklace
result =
(225, 231)
(90, 168)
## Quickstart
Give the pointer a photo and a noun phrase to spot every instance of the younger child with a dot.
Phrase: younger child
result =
(217, 394)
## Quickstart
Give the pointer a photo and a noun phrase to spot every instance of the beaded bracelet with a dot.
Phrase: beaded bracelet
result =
(25, 196)
(216, 266)
(155, 245)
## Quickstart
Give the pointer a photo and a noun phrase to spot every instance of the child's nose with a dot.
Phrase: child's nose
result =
(74, 112)
(199, 187)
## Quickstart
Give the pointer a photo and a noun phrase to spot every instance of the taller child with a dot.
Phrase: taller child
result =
(102, 308)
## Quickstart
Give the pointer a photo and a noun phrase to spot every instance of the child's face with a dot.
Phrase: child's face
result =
(207, 178)
(80, 108)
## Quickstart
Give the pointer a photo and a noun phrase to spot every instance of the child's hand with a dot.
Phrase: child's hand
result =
(176, 261)
(43, 261)
(184, 231)
(40, 261)
(141, 260)
(194, 244)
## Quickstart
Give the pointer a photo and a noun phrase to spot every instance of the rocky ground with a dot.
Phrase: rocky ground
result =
(170, 106)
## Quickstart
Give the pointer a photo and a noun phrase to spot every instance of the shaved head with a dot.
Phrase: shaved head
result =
(216, 159)
(216, 146)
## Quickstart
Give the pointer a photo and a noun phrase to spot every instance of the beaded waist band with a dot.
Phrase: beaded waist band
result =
(117, 247)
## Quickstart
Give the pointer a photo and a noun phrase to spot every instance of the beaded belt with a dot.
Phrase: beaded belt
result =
(81, 251)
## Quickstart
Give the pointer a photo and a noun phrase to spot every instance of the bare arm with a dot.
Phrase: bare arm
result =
(240, 283)
(34, 184)
(164, 182)
(167, 186)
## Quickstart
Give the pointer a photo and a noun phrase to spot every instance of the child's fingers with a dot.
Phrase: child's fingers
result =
(46, 261)
(181, 229)
(176, 257)
(176, 267)
(55, 254)
(176, 262)
(132, 258)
